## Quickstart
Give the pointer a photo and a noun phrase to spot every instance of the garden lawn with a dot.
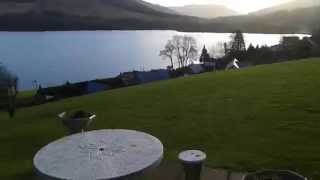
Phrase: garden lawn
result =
(261, 117)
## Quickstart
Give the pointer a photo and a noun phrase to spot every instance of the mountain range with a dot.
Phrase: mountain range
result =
(44, 15)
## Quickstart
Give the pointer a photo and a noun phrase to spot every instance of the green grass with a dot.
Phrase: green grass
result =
(25, 98)
(261, 117)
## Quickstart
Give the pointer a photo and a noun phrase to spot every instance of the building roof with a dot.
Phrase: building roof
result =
(93, 86)
(74, 89)
(154, 75)
(196, 68)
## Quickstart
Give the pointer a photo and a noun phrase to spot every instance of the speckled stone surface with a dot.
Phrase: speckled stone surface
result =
(192, 156)
(103, 154)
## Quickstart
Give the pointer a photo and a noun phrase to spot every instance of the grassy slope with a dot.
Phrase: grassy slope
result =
(263, 117)
(25, 98)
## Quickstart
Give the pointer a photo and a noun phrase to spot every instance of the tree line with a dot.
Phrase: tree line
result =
(182, 50)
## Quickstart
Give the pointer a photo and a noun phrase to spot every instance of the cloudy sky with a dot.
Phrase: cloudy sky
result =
(243, 6)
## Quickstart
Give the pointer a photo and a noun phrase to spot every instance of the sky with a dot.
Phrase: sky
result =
(242, 6)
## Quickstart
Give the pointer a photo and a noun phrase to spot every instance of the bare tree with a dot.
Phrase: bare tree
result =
(190, 50)
(177, 43)
(168, 52)
(183, 48)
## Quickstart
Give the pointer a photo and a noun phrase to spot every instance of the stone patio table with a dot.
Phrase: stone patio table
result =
(102, 154)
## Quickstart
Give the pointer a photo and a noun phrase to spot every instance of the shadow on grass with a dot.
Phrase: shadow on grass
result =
(172, 170)
(28, 175)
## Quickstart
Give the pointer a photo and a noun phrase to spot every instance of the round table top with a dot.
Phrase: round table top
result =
(102, 154)
(192, 156)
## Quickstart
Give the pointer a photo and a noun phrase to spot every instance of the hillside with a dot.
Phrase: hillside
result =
(289, 6)
(261, 117)
(205, 11)
(302, 20)
(92, 8)
(84, 14)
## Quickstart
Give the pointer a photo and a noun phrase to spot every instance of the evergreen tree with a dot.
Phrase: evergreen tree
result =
(237, 43)
(316, 36)
(251, 54)
(237, 46)
(205, 57)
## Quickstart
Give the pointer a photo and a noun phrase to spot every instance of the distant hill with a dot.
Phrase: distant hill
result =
(205, 11)
(302, 20)
(289, 6)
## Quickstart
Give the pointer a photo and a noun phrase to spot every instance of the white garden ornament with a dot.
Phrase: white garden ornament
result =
(233, 65)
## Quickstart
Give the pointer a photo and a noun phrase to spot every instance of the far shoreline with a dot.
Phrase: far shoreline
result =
(132, 30)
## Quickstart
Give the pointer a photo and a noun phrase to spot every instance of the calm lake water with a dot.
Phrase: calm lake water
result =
(52, 58)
